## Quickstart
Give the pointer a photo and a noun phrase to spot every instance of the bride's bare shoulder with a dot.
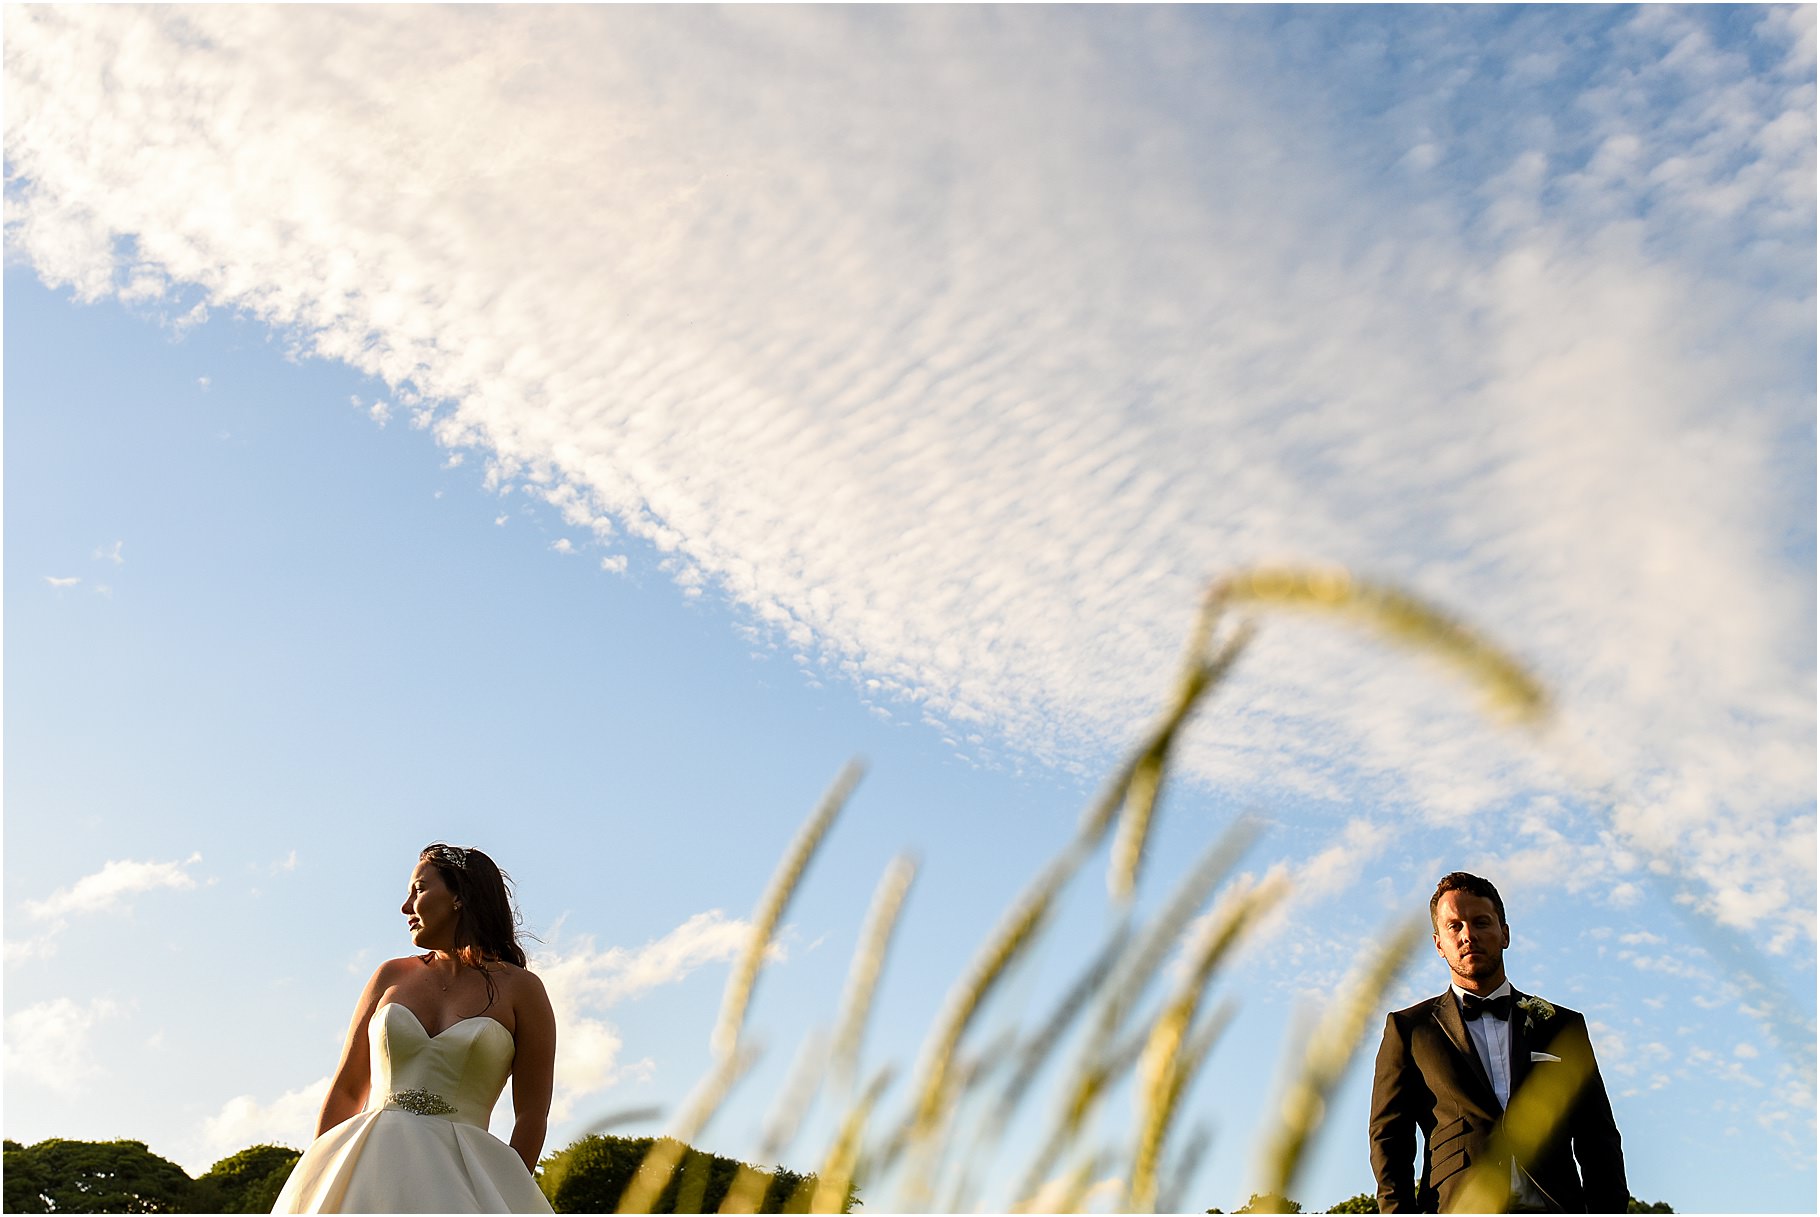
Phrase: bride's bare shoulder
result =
(393, 970)
(518, 980)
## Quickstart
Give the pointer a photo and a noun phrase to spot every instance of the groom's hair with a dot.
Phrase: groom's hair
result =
(1472, 885)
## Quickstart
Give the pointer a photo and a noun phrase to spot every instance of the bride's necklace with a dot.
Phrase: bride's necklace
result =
(445, 982)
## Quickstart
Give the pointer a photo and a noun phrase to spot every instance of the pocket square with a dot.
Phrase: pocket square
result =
(1543, 1056)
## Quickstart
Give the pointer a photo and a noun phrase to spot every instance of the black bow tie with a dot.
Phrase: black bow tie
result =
(1497, 1007)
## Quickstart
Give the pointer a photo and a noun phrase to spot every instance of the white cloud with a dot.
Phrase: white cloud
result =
(1336, 867)
(62, 581)
(582, 982)
(49, 1043)
(962, 366)
(110, 885)
(18, 950)
(244, 1120)
(379, 411)
(111, 554)
(619, 974)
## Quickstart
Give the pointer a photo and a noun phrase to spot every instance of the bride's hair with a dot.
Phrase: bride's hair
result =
(486, 925)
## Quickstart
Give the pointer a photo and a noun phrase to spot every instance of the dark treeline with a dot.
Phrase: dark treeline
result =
(62, 1176)
(1366, 1202)
(59, 1176)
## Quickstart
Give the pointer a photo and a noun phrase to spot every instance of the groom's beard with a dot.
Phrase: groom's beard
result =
(1477, 967)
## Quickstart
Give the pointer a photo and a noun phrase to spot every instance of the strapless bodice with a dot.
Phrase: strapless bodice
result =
(457, 1074)
(421, 1145)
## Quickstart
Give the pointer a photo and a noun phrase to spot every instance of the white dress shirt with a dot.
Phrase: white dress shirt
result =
(1491, 1038)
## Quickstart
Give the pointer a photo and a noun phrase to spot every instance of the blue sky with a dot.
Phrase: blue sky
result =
(580, 436)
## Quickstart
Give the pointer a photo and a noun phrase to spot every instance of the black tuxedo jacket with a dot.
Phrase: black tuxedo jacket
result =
(1429, 1077)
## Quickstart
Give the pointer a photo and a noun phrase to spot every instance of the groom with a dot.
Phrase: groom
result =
(1450, 1066)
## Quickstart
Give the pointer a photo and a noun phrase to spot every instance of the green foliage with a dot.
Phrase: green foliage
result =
(96, 1177)
(1364, 1202)
(589, 1175)
(1637, 1206)
(1268, 1202)
(249, 1181)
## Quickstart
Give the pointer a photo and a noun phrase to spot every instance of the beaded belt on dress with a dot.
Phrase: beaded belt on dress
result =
(422, 1102)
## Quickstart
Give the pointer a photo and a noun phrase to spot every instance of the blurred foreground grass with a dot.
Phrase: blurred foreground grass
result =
(919, 1158)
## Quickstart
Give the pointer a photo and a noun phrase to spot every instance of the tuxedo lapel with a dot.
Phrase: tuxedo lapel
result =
(1519, 1045)
(1447, 1013)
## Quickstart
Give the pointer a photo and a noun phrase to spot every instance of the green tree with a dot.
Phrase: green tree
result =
(95, 1177)
(249, 1181)
(589, 1175)
(1364, 1202)
(1637, 1206)
(1268, 1202)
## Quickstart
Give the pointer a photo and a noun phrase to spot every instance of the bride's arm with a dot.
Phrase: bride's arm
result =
(533, 1069)
(353, 1074)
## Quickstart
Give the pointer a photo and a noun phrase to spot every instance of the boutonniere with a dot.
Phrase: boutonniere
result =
(1535, 1013)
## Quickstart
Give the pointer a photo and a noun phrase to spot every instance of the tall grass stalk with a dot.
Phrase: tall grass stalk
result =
(747, 1191)
(868, 964)
(794, 1100)
(771, 908)
(662, 1158)
(1145, 784)
(1513, 692)
(623, 1118)
(1330, 1050)
(843, 1159)
(666, 1153)
(1064, 1195)
(1017, 930)
(1128, 976)
(1165, 1069)
(1181, 1171)
(1038, 1048)
(1536, 1111)
(1163, 1056)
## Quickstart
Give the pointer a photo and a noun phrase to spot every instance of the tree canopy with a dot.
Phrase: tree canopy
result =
(63, 1176)
(249, 1181)
(95, 1177)
(589, 1175)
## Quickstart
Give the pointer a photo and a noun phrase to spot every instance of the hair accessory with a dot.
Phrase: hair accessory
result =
(450, 855)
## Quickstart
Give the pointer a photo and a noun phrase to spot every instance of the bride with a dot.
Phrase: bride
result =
(404, 1126)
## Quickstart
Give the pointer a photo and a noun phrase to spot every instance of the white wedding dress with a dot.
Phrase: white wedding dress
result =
(421, 1145)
